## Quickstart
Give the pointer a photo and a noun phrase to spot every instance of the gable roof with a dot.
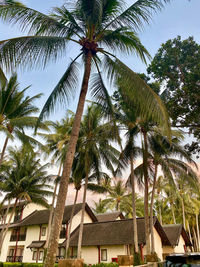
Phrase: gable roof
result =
(174, 231)
(116, 232)
(39, 217)
(111, 216)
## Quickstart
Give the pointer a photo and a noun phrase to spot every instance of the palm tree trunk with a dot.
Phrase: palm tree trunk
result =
(59, 210)
(151, 210)
(197, 226)
(4, 150)
(135, 232)
(183, 210)
(195, 239)
(6, 226)
(190, 236)
(82, 219)
(160, 211)
(173, 214)
(70, 225)
(52, 209)
(146, 192)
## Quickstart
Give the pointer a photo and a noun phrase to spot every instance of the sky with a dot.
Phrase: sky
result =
(180, 17)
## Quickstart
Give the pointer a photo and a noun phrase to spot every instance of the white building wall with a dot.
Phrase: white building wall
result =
(113, 251)
(6, 244)
(31, 207)
(158, 244)
(90, 254)
(32, 234)
(77, 218)
(180, 247)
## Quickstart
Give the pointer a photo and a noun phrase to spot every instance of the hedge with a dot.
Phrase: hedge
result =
(111, 264)
(22, 264)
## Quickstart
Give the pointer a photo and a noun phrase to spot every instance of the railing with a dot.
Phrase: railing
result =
(63, 233)
(59, 258)
(14, 259)
(21, 237)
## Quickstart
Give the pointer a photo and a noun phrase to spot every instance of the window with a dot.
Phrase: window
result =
(41, 253)
(104, 254)
(43, 231)
(11, 252)
(34, 255)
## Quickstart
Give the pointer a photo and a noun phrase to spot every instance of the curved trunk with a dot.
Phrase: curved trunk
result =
(6, 226)
(52, 209)
(197, 226)
(62, 194)
(70, 225)
(146, 192)
(151, 210)
(135, 232)
(3, 150)
(82, 219)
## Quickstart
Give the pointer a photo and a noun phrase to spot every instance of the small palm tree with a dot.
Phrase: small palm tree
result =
(16, 114)
(100, 207)
(24, 179)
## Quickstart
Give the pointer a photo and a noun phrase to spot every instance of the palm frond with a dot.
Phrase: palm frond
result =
(63, 90)
(147, 102)
(31, 51)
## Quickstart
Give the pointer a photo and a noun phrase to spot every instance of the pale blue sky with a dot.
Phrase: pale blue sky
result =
(181, 17)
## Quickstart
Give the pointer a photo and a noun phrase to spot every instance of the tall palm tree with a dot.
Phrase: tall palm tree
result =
(56, 147)
(24, 179)
(16, 112)
(99, 29)
(77, 179)
(93, 149)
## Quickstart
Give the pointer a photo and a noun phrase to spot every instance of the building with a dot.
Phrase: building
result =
(105, 236)
(178, 238)
(26, 238)
(103, 241)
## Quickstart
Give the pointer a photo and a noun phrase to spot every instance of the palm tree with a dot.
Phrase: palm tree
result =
(24, 179)
(77, 179)
(117, 191)
(100, 207)
(162, 152)
(127, 117)
(56, 147)
(93, 149)
(15, 114)
(99, 28)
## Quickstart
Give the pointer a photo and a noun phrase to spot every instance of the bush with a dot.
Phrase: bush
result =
(137, 259)
(111, 264)
(12, 264)
(21, 264)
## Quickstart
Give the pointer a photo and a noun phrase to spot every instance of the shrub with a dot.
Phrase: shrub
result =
(137, 259)
(12, 264)
(111, 264)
